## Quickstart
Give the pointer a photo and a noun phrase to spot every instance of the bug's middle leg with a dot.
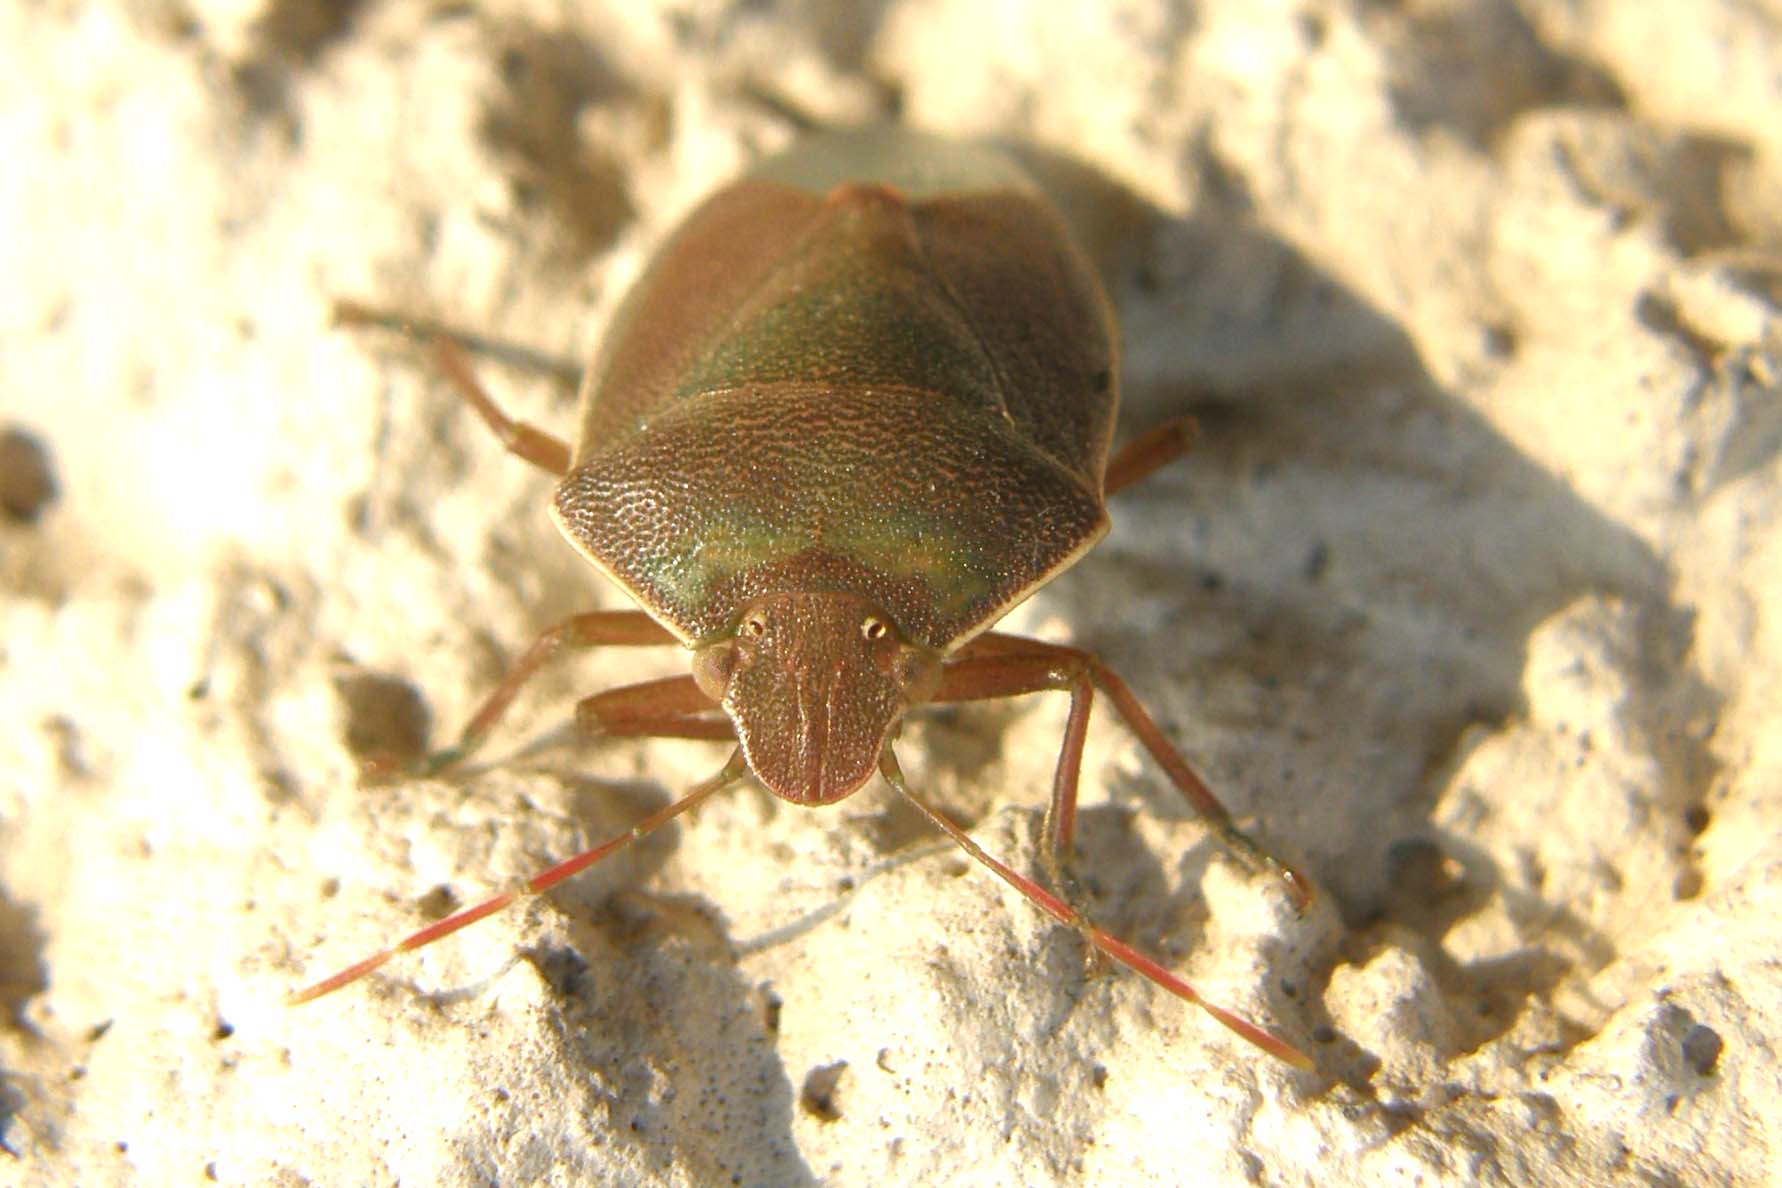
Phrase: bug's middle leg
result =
(589, 630)
(673, 707)
(996, 665)
(991, 676)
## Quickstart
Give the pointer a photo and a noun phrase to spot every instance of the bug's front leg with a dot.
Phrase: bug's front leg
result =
(996, 665)
(732, 774)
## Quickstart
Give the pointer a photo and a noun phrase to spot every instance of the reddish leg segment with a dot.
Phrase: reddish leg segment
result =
(674, 707)
(733, 773)
(996, 665)
(1104, 943)
(983, 673)
(543, 450)
(594, 629)
(1156, 447)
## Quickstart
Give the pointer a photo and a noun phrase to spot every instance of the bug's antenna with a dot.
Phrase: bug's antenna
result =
(734, 771)
(1069, 916)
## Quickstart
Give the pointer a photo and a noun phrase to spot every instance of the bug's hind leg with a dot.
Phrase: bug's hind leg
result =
(544, 450)
(1150, 451)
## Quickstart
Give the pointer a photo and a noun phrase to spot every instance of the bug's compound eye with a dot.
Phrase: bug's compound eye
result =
(752, 627)
(714, 665)
(874, 628)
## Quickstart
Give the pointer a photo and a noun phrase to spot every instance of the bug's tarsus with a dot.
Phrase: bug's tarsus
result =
(1149, 451)
(1103, 942)
(386, 767)
(347, 312)
(732, 773)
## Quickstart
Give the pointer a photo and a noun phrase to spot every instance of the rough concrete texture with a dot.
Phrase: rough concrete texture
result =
(1470, 601)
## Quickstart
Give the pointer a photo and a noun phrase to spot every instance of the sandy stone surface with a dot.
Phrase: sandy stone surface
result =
(1470, 602)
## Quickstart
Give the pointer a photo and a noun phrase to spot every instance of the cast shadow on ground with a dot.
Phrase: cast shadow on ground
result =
(650, 994)
(1328, 452)
(22, 977)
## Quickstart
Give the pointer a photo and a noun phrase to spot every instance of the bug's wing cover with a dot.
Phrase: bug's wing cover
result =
(1007, 263)
(849, 388)
(727, 251)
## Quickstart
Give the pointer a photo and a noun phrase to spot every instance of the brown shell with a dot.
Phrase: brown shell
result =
(876, 364)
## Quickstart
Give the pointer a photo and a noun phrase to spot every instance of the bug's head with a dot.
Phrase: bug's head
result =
(815, 684)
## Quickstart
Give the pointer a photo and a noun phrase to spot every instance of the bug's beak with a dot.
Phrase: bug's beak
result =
(814, 689)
